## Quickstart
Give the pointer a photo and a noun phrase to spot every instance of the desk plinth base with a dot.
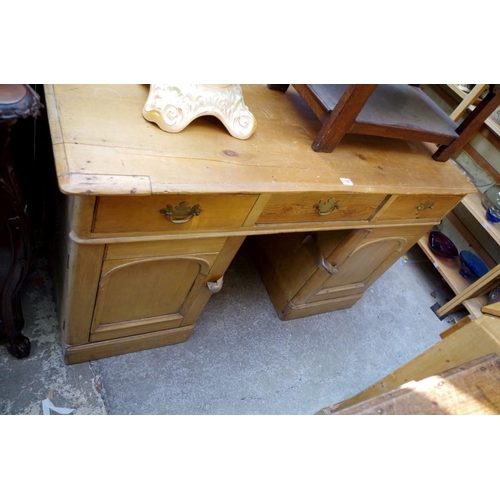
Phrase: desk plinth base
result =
(293, 311)
(107, 348)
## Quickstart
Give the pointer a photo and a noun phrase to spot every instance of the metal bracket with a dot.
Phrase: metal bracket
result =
(320, 261)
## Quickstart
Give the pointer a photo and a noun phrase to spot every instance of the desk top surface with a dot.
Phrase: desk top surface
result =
(104, 146)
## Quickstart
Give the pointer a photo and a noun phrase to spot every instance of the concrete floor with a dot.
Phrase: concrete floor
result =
(240, 359)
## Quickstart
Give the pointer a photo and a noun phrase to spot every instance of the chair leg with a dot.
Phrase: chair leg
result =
(280, 87)
(341, 118)
(468, 128)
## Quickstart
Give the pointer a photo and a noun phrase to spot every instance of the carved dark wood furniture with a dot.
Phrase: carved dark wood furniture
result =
(16, 101)
(397, 111)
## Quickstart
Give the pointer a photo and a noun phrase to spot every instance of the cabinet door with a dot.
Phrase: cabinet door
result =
(148, 294)
(375, 253)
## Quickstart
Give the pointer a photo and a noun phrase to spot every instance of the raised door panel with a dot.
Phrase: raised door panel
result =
(145, 295)
(364, 265)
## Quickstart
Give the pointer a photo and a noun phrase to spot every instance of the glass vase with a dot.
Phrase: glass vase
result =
(491, 201)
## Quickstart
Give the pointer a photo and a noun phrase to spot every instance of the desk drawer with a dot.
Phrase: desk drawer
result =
(170, 213)
(319, 207)
(419, 207)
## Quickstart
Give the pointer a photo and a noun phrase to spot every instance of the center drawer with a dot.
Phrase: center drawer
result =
(320, 207)
(170, 213)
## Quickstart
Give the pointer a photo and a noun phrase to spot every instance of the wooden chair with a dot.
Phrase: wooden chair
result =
(399, 111)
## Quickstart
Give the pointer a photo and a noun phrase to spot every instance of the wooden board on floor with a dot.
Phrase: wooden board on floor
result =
(493, 309)
(470, 389)
(474, 340)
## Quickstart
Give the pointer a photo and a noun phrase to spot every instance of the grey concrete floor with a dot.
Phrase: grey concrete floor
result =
(240, 359)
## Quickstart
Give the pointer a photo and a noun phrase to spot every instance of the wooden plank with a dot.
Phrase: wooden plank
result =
(476, 339)
(256, 210)
(470, 389)
(292, 311)
(447, 268)
(464, 321)
(461, 95)
(478, 248)
(479, 159)
(480, 286)
(83, 215)
(80, 288)
(491, 131)
(472, 202)
(116, 347)
(163, 248)
(493, 309)
(474, 305)
(467, 101)
(96, 144)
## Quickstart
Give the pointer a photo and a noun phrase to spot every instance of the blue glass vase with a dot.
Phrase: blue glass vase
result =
(494, 296)
(491, 201)
(471, 265)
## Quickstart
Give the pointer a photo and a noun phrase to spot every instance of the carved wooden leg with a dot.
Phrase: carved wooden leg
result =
(14, 252)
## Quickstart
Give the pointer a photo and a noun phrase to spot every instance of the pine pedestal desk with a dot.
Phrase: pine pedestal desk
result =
(150, 221)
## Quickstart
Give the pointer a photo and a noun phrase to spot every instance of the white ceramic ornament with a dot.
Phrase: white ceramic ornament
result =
(174, 107)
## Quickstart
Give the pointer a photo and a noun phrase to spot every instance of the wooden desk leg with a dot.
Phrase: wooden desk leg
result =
(468, 128)
(342, 117)
(14, 251)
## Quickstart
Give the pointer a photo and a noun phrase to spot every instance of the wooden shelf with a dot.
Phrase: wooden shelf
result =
(472, 294)
(457, 91)
(472, 202)
(492, 126)
(474, 305)
(449, 270)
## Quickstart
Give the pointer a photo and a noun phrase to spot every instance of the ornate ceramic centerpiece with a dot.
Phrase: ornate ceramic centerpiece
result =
(174, 107)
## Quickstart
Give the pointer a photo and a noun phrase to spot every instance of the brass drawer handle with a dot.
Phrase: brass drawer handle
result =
(182, 213)
(327, 207)
(424, 206)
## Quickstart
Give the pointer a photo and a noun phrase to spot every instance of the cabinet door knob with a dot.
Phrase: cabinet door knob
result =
(182, 213)
(215, 286)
